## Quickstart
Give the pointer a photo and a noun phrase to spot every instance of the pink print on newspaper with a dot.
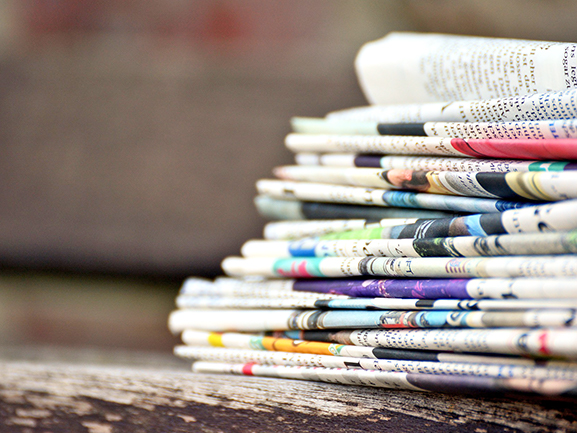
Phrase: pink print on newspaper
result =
(523, 148)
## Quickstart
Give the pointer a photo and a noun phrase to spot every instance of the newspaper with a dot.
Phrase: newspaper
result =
(406, 67)
(430, 163)
(441, 288)
(535, 129)
(541, 186)
(537, 219)
(542, 218)
(542, 149)
(275, 209)
(536, 106)
(429, 267)
(530, 129)
(434, 290)
(233, 288)
(460, 246)
(323, 192)
(301, 229)
(394, 380)
(222, 302)
(258, 320)
(258, 342)
(310, 360)
(548, 342)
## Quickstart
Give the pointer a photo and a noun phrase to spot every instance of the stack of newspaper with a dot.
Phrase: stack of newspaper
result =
(428, 240)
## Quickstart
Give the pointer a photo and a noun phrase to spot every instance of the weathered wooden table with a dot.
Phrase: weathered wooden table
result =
(49, 390)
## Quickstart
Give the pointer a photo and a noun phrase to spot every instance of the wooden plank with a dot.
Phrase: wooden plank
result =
(113, 397)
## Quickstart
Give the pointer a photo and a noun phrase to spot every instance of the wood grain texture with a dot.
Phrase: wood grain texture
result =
(110, 397)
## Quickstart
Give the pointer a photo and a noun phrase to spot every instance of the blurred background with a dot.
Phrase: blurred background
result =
(132, 133)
